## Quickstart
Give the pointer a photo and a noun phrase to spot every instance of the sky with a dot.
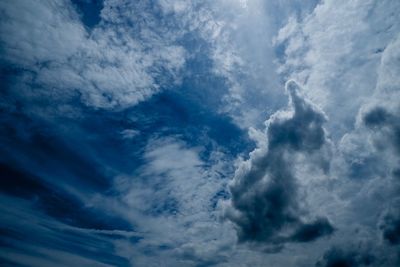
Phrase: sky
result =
(200, 133)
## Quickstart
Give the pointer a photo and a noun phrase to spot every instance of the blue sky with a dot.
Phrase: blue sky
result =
(200, 133)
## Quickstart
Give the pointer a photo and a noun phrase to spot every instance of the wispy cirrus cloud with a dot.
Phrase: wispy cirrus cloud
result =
(174, 192)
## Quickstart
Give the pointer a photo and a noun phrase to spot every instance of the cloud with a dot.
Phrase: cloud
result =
(381, 113)
(378, 124)
(126, 158)
(312, 231)
(234, 37)
(53, 201)
(171, 199)
(265, 195)
(387, 124)
(338, 257)
(129, 133)
(141, 54)
(136, 220)
(336, 51)
(367, 178)
(373, 147)
(389, 224)
(115, 66)
(346, 54)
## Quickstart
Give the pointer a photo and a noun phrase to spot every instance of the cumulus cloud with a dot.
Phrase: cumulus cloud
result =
(265, 196)
(369, 158)
(336, 51)
(115, 66)
(379, 119)
(380, 113)
(347, 54)
(371, 150)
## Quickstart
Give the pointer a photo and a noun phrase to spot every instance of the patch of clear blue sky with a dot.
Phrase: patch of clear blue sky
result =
(89, 11)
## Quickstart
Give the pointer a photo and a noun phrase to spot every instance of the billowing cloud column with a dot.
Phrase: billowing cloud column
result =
(265, 204)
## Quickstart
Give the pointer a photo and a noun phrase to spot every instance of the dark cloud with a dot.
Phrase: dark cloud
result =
(338, 257)
(303, 132)
(310, 232)
(390, 224)
(377, 116)
(380, 119)
(386, 126)
(264, 191)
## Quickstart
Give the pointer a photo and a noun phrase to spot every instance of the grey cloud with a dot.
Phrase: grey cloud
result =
(312, 231)
(264, 204)
(311, 54)
(302, 132)
(373, 147)
(381, 114)
(391, 229)
(376, 117)
(380, 119)
(339, 257)
(371, 151)
(390, 224)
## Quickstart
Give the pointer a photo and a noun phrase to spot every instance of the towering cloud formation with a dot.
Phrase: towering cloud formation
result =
(265, 194)
(382, 117)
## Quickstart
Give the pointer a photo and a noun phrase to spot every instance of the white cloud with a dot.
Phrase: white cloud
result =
(172, 202)
(40, 32)
(129, 133)
(346, 54)
(131, 54)
(116, 66)
(335, 52)
(238, 34)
